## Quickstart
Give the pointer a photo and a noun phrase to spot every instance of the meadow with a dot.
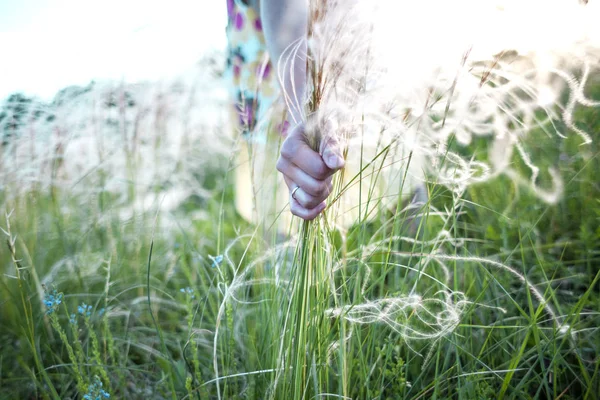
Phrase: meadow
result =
(137, 278)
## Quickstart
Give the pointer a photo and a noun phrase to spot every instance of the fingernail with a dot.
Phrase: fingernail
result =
(334, 161)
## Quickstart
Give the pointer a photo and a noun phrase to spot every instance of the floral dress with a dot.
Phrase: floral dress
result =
(253, 81)
(258, 119)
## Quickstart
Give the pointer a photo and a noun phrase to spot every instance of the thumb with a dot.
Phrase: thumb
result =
(331, 152)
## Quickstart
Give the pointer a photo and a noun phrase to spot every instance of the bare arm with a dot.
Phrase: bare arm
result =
(285, 26)
(306, 172)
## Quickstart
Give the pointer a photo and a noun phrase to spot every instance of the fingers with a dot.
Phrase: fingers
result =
(309, 171)
(314, 187)
(296, 150)
(305, 199)
(304, 213)
(302, 204)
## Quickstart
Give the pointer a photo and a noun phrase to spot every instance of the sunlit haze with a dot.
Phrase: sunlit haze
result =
(50, 44)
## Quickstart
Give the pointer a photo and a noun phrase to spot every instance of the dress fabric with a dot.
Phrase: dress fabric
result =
(258, 117)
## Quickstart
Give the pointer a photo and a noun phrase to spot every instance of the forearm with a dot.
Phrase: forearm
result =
(285, 27)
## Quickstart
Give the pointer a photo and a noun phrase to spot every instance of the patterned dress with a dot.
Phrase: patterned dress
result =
(254, 86)
(258, 118)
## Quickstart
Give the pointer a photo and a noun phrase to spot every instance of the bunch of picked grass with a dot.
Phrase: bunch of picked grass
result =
(337, 70)
(308, 333)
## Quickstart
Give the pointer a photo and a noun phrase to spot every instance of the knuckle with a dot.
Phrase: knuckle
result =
(322, 171)
(322, 189)
(295, 209)
(312, 189)
(280, 164)
(317, 191)
(287, 150)
(311, 203)
(308, 202)
(314, 203)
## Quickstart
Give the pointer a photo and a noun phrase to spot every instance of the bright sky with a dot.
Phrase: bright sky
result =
(46, 45)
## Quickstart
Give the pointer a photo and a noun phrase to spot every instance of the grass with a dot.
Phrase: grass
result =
(172, 305)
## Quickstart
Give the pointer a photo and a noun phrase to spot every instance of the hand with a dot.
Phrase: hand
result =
(308, 173)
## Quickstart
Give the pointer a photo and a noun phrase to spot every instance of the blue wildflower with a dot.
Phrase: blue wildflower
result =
(95, 391)
(217, 260)
(84, 309)
(189, 291)
(73, 319)
(52, 301)
(101, 312)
